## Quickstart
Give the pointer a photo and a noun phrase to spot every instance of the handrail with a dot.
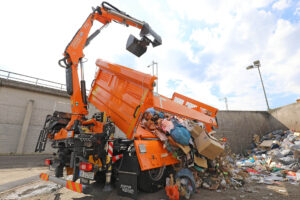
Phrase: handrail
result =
(32, 80)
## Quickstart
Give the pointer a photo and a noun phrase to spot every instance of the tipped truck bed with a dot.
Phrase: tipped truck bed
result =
(124, 94)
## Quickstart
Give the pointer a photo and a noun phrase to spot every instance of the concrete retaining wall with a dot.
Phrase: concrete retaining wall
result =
(14, 100)
(288, 115)
(23, 108)
(240, 126)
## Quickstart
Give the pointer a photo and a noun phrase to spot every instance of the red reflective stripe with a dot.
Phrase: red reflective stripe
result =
(80, 187)
(73, 186)
(76, 187)
(69, 185)
(117, 157)
(44, 176)
(110, 149)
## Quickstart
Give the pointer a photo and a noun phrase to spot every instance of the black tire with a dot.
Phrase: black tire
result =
(152, 180)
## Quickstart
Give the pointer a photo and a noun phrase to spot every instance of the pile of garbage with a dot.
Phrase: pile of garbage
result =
(273, 158)
(204, 160)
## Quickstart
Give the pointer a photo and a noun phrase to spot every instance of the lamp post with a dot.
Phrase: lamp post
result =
(226, 102)
(256, 64)
(154, 64)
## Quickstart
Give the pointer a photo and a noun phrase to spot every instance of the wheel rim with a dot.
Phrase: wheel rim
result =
(157, 173)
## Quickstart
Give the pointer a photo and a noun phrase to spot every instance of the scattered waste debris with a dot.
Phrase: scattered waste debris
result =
(274, 158)
(205, 161)
(209, 163)
(30, 191)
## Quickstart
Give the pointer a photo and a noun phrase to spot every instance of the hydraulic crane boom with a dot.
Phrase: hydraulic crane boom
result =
(77, 139)
(73, 54)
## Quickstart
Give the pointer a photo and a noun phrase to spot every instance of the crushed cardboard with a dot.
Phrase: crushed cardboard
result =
(196, 131)
(208, 147)
(185, 149)
(266, 143)
(201, 162)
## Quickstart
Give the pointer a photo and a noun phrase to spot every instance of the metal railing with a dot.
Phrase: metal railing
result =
(31, 80)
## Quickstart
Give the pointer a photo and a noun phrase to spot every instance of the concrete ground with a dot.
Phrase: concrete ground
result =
(23, 183)
(18, 170)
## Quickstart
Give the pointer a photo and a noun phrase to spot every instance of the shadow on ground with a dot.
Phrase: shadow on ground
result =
(251, 191)
(96, 192)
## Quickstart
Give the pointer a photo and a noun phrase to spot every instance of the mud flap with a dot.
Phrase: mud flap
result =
(128, 172)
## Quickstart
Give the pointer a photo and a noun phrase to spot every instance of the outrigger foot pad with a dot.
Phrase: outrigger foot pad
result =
(107, 188)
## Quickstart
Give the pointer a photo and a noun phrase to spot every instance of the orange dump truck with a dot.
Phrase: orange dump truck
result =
(88, 148)
(140, 161)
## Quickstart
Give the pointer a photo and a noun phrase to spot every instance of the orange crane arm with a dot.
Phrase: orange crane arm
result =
(73, 54)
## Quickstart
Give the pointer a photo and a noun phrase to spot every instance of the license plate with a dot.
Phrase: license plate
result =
(87, 175)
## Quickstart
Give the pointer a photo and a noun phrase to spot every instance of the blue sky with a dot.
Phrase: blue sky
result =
(206, 45)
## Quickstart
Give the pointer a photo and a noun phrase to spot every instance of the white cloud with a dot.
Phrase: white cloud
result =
(281, 4)
(282, 56)
(206, 45)
(297, 10)
(214, 11)
(242, 36)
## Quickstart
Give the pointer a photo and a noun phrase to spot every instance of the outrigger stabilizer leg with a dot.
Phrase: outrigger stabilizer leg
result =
(109, 156)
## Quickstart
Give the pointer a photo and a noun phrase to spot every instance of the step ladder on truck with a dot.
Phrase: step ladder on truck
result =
(88, 148)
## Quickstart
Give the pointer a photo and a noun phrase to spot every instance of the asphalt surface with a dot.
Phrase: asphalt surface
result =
(32, 184)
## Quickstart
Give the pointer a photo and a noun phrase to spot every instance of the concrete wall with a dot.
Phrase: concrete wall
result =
(23, 108)
(240, 126)
(15, 97)
(288, 115)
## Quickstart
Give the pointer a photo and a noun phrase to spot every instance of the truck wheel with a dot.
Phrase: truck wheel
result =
(152, 180)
